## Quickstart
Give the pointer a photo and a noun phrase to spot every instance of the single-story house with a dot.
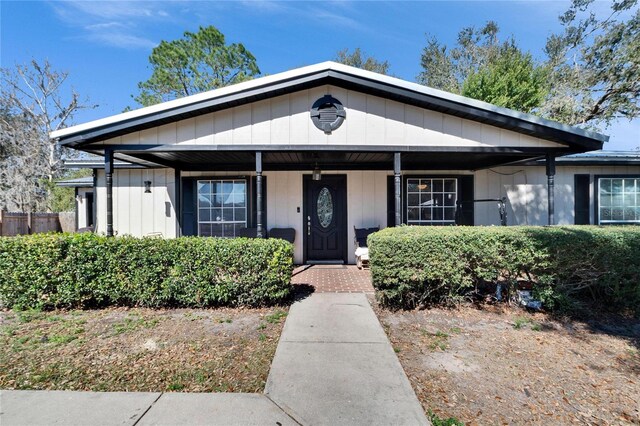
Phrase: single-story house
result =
(327, 148)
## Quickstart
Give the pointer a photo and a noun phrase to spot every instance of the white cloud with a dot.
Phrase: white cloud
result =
(112, 23)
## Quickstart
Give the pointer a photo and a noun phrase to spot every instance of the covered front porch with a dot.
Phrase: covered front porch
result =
(280, 188)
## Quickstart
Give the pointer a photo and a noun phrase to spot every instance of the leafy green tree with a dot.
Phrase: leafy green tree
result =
(595, 65)
(511, 80)
(62, 198)
(482, 67)
(195, 63)
(359, 59)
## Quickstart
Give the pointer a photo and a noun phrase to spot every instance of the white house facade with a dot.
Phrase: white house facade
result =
(328, 148)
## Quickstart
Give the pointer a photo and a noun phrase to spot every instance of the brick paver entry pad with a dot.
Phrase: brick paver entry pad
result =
(334, 278)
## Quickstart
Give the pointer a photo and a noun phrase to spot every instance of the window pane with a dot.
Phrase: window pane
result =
(425, 185)
(426, 200)
(413, 200)
(412, 213)
(218, 199)
(630, 213)
(449, 200)
(227, 215)
(216, 230)
(412, 185)
(437, 185)
(450, 185)
(616, 199)
(449, 214)
(605, 186)
(616, 186)
(204, 230)
(204, 187)
(237, 199)
(216, 215)
(605, 200)
(605, 214)
(426, 214)
(438, 199)
(227, 187)
(438, 214)
(616, 213)
(205, 215)
(204, 200)
(228, 230)
(239, 214)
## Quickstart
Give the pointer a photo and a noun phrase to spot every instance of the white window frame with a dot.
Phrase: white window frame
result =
(222, 181)
(632, 196)
(430, 181)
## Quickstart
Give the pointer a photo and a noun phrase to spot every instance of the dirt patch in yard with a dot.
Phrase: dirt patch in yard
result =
(512, 367)
(187, 350)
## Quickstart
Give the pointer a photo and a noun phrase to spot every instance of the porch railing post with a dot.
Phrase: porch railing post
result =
(108, 177)
(551, 171)
(259, 224)
(397, 188)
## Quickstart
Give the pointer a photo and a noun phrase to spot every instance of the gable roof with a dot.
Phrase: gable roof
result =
(335, 74)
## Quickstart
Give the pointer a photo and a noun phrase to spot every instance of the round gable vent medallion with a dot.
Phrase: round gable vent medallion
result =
(327, 114)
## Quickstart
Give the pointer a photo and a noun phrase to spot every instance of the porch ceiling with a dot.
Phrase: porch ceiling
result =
(329, 160)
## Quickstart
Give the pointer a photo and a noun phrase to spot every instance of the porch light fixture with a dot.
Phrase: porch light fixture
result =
(317, 174)
(147, 187)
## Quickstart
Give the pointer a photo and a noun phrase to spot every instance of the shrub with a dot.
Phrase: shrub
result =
(418, 266)
(87, 270)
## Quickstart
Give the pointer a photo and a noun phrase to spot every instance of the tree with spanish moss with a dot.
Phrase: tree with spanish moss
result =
(34, 101)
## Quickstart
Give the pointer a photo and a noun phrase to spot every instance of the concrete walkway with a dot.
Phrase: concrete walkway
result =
(138, 408)
(334, 365)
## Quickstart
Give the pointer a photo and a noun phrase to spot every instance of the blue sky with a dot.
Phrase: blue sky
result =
(104, 45)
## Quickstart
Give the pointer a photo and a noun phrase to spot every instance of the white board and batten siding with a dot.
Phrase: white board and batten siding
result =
(527, 196)
(371, 120)
(135, 212)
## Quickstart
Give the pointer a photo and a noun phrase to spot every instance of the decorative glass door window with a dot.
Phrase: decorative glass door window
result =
(325, 207)
(431, 201)
(222, 207)
(619, 200)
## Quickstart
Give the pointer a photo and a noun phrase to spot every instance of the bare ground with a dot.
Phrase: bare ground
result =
(188, 350)
(511, 367)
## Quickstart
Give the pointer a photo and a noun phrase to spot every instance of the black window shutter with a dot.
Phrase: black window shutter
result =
(189, 214)
(466, 196)
(581, 199)
(253, 217)
(391, 202)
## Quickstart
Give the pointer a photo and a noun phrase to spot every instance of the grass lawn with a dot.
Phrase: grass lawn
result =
(188, 350)
(511, 367)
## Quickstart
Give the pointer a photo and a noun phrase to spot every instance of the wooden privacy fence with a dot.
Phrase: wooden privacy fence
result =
(28, 223)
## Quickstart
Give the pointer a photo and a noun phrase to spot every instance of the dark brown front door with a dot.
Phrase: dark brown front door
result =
(325, 218)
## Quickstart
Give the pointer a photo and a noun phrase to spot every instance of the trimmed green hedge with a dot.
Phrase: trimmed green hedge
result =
(87, 270)
(417, 266)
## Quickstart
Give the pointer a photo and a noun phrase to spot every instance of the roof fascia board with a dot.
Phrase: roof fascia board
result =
(148, 148)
